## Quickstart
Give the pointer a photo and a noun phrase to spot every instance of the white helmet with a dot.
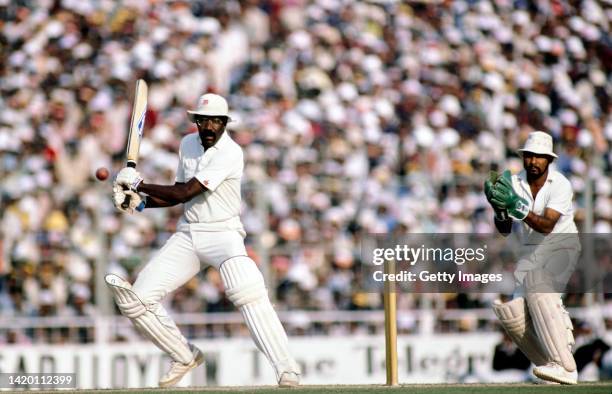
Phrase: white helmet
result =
(210, 104)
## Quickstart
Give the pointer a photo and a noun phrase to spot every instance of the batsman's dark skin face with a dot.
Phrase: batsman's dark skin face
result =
(210, 129)
(536, 165)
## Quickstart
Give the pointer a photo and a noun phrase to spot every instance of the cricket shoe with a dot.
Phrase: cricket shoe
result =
(289, 379)
(178, 370)
(536, 380)
(553, 372)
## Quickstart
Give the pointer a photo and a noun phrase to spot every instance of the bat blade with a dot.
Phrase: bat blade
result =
(139, 113)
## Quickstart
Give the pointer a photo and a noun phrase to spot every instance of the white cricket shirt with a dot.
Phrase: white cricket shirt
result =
(557, 194)
(219, 169)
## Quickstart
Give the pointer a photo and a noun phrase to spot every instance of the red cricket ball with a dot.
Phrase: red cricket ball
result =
(102, 173)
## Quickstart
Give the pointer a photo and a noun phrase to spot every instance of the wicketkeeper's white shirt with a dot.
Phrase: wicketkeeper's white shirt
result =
(219, 169)
(558, 252)
(557, 194)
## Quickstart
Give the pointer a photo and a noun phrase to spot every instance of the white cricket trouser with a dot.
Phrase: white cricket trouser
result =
(557, 257)
(182, 257)
(541, 276)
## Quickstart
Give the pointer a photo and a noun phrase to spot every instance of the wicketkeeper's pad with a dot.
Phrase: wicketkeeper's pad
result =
(515, 319)
(550, 320)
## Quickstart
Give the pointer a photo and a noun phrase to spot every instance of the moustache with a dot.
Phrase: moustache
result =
(207, 133)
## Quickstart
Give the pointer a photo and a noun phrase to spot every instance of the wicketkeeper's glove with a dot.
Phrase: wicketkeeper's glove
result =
(504, 196)
(501, 214)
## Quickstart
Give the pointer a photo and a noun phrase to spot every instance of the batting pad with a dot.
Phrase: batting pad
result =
(551, 322)
(167, 338)
(515, 319)
(244, 286)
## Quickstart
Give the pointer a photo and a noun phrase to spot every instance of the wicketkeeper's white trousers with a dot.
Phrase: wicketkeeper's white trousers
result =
(557, 256)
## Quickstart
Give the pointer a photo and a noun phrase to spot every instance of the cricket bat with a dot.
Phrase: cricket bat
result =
(139, 112)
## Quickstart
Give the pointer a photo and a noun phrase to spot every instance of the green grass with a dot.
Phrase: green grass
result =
(519, 388)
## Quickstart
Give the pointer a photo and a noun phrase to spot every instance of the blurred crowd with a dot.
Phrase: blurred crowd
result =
(355, 117)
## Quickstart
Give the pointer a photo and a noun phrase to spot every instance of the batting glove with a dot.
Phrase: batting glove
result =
(118, 197)
(135, 201)
(129, 178)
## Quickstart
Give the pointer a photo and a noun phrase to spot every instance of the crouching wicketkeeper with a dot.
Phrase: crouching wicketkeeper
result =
(541, 199)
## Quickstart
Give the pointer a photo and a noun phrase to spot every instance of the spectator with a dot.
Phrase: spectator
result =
(356, 117)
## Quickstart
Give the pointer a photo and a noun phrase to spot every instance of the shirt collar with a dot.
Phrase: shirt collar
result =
(221, 143)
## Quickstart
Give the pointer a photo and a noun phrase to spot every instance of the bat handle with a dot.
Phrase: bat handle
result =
(126, 202)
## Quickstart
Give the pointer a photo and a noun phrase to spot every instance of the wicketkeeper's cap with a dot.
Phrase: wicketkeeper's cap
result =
(210, 104)
(540, 143)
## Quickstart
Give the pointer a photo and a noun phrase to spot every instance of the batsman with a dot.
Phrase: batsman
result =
(540, 200)
(209, 232)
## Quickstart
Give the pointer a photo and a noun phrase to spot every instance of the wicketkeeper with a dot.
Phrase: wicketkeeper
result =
(209, 232)
(541, 200)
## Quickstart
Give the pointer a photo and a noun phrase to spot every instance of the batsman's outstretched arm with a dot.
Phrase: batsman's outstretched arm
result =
(178, 193)
(154, 202)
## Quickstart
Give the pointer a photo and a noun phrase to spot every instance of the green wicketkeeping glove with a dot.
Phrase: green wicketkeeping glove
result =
(500, 213)
(503, 195)
(505, 180)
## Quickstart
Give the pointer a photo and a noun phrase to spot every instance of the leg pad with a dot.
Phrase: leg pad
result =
(147, 322)
(551, 322)
(515, 319)
(244, 286)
